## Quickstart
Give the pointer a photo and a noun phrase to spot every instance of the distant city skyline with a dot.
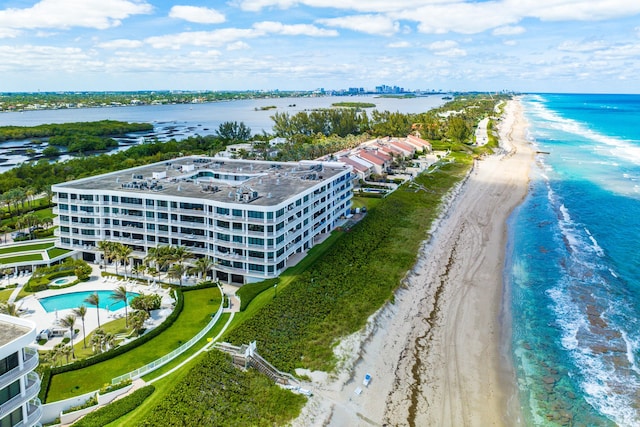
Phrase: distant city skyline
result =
(450, 45)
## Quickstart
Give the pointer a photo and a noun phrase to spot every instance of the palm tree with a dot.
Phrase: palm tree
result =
(122, 254)
(120, 294)
(69, 321)
(177, 271)
(7, 273)
(202, 266)
(94, 300)
(96, 340)
(81, 312)
(138, 269)
(9, 309)
(138, 318)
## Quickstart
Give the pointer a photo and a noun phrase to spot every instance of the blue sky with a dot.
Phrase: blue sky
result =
(520, 45)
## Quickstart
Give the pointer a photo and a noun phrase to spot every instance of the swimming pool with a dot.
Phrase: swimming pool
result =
(76, 299)
(64, 280)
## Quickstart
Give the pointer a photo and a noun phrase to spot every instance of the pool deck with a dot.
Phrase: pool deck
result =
(31, 308)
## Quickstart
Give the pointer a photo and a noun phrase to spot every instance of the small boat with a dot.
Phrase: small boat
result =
(367, 380)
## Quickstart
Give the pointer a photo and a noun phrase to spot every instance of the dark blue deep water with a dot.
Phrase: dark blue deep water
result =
(573, 263)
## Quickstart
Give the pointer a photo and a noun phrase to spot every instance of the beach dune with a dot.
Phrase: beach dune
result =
(437, 355)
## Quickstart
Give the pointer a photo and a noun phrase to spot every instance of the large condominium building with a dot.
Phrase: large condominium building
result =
(249, 217)
(19, 385)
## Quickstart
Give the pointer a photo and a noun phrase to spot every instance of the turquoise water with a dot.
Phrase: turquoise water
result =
(573, 267)
(76, 299)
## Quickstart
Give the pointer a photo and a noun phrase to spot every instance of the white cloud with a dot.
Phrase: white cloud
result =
(7, 33)
(508, 30)
(63, 14)
(239, 45)
(214, 38)
(574, 46)
(444, 44)
(399, 45)
(451, 53)
(448, 48)
(120, 44)
(378, 6)
(370, 24)
(293, 30)
(198, 15)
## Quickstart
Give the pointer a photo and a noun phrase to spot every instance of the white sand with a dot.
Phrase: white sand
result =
(435, 354)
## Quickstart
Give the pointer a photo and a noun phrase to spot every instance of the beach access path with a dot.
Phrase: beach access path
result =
(436, 355)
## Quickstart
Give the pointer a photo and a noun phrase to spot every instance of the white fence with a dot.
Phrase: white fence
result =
(150, 367)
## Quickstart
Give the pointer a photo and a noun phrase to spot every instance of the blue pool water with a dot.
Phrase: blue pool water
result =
(76, 299)
(573, 267)
(62, 281)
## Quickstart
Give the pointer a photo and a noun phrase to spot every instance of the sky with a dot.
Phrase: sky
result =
(588, 46)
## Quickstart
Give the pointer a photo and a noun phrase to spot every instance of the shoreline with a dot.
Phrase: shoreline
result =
(440, 354)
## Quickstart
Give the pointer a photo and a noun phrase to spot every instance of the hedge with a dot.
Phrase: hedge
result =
(248, 292)
(116, 409)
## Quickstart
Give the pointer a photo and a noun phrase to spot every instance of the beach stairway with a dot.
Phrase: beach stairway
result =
(246, 356)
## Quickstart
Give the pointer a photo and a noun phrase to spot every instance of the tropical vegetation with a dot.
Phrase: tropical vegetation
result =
(216, 393)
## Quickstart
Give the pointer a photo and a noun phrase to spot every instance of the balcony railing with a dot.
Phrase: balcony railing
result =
(31, 390)
(29, 364)
(34, 413)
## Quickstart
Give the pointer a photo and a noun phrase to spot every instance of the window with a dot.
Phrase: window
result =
(8, 363)
(238, 239)
(222, 236)
(255, 241)
(256, 254)
(256, 267)
(162, 203)
(255, 214)
(14, 418)
(237, 212)
(149, 202)
(279, 213)
(255, 228)
(222, 211)
(222, 224)
(10, 392)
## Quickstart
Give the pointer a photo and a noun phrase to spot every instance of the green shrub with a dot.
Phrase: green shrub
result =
(93, 401)
(248, 292)
(108, 388)
(216, 393)
(111, 412)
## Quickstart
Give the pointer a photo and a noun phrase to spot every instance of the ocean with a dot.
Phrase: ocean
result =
(573, 263)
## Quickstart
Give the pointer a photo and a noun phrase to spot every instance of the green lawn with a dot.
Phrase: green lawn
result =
(197, 346)
(199, 305)
(55, 252)
(25, 248)
(5, 294)
(21, 258)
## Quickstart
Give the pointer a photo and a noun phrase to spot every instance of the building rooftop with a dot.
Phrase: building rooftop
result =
(256, 183)
(10, 332)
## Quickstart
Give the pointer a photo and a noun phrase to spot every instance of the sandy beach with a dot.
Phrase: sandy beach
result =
(435, 355)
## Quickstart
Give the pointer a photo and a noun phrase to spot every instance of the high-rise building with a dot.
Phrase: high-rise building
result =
(19, 384)
(249, 217)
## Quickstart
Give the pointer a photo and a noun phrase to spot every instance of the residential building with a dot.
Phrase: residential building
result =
(249, 217)
(19, 384)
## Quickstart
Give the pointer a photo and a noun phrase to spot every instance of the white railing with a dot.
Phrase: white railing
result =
(150, 367)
